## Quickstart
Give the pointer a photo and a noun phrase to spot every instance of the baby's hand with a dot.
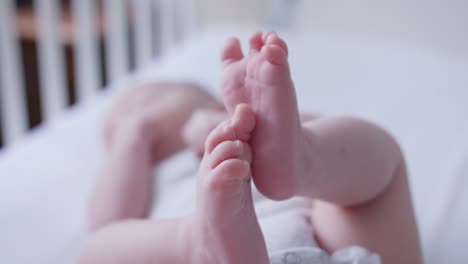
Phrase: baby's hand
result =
(200, 125)
(153, 115)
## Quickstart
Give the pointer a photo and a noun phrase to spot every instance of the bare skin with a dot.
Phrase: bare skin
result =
(353, 170)
(140, 130)
(224, 228)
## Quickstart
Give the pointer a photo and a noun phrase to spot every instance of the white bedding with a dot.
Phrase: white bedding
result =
(418, 95)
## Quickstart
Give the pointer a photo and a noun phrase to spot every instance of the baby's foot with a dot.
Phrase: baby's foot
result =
(225, 226)
(263, 81)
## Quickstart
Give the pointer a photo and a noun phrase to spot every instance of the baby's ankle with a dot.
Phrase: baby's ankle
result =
(193, 244)
(185, 241)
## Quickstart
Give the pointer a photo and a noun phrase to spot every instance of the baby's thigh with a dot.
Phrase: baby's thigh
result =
(385, 225)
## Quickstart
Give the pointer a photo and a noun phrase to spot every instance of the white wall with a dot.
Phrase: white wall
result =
(440, 24)
(246, 12)
(434, 24)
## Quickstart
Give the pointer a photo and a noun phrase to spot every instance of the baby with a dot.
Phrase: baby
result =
(353, 171)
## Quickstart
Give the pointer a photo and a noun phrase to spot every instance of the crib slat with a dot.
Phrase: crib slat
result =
(12, 100)
(116, 39)
(86, 48)
(143, 32)
(167, 23)
(51, 60)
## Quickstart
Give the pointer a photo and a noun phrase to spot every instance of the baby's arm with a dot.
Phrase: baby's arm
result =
(223, 228)
(142, 128)
(124, 188)
(139, 241)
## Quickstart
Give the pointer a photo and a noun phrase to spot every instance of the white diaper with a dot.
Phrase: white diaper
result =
(314, 255)
(285, 225)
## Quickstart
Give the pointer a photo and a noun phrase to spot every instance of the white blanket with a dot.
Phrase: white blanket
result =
(418, 95)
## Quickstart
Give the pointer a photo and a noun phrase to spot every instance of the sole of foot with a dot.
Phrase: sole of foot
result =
(225, 228)
(262, 80)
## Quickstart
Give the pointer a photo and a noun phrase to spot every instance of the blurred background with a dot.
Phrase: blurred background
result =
(77, 47)
(402, 64)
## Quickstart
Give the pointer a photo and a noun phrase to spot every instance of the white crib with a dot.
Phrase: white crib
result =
(154, 23)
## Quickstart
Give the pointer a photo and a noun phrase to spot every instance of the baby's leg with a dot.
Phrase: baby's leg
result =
(354, 168)
(358, 177)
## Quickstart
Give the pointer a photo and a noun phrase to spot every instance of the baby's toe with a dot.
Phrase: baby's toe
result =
(232, 51)
(256, 42)
(243, 121)
(272, 38)
(275, 54)
(229, 150)
(229, 173)
(238, 127)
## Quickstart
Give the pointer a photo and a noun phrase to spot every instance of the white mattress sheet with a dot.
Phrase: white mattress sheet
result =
(419, 95)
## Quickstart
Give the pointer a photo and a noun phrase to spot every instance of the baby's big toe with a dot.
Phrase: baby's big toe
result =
(272, 38)
(274, 54)
(275, 49)
(231, 52)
